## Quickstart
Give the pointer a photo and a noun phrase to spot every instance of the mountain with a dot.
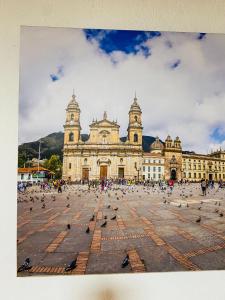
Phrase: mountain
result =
(53, 144)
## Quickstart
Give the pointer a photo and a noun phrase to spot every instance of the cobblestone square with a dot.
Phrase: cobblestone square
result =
(156, 228)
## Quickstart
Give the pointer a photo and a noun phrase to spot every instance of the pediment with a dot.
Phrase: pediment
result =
(104, 123)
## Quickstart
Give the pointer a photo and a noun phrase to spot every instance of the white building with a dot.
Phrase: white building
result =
(153, 163)
(33, 175)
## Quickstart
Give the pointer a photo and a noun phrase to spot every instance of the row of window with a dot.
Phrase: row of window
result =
(71, 137)
(152, 176)
(154, 161)
(203, 161)
(194, 167)
(201, 175)
(153, 168)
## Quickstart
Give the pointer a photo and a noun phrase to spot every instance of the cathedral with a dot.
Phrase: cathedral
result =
(105, 155)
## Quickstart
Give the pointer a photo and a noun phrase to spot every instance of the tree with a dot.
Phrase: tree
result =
(54, 164)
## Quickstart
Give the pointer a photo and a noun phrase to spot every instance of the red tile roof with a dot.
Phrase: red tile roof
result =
(31, 170)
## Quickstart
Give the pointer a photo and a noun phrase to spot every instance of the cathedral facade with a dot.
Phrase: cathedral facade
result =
(105, 155)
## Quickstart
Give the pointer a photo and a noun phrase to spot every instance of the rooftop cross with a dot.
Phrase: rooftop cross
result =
(73, 95)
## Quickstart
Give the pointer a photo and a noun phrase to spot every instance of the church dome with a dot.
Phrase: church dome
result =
(168, 139)
(73, 105)
(135, 106)
(157, 145)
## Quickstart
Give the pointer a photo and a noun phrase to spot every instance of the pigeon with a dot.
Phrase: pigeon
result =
(88, 230)
(104, 224)
(113, 218)
(199, 208)
(179, 205)
(68, 226)
(43, 206)
(92, 218)
(198, 220)
(67, 197)
(125, 261)
(68, 205)
(25, 266)
(108, 206)
(116, 208)
(105, 217)
(71, 266)
(216, 210)
(164, 201)
(31, 208)
(221, 214)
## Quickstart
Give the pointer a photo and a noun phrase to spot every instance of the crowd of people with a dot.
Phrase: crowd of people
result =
(105, 184)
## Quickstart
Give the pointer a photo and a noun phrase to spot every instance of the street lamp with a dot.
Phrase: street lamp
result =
(138, 170)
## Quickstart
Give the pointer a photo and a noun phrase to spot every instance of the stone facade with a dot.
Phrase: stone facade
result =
(105, 155)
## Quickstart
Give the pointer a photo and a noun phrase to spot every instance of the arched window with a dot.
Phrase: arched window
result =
(71, 137)
(85, 161)
(135, 137)
(72, 116)
(135, 118)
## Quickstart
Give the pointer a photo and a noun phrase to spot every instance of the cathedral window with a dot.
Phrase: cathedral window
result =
(85, 161)
(72, 116)
(135, 137)
(71, 137)
(70, 165)
(135, 118)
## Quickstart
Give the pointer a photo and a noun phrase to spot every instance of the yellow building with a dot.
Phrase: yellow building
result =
(105, 155)
(197, 166)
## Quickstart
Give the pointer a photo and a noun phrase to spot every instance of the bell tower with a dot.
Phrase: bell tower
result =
(72, 126)
(135, 124)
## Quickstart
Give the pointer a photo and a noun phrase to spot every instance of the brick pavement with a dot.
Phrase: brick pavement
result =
(157, 236)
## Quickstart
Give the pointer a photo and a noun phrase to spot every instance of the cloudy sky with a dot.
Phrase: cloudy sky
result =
(179, 79)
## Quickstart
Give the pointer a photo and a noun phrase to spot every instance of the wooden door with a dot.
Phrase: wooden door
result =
(85, 174)
(103, 172)
(121, 172)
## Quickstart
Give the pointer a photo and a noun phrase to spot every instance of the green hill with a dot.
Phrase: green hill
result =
(53, 144)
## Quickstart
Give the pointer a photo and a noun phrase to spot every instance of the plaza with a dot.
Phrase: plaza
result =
(157, 229)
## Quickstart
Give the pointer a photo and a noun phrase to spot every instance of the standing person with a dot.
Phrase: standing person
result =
(59, 187)
(171, 185)
(203, 186)
(102, 185)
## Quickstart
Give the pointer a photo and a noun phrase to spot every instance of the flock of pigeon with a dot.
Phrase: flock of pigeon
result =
(180, 197)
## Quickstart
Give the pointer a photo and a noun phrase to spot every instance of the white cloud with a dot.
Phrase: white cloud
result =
(188, 101)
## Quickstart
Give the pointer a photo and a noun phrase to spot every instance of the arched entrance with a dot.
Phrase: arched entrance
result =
(173, 174)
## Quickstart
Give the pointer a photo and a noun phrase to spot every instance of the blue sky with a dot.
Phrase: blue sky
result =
(127, 41)
(178, 77)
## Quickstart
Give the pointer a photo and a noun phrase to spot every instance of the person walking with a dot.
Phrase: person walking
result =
(203, 187)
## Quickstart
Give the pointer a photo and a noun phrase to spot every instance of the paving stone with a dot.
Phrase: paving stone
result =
(163, 237)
